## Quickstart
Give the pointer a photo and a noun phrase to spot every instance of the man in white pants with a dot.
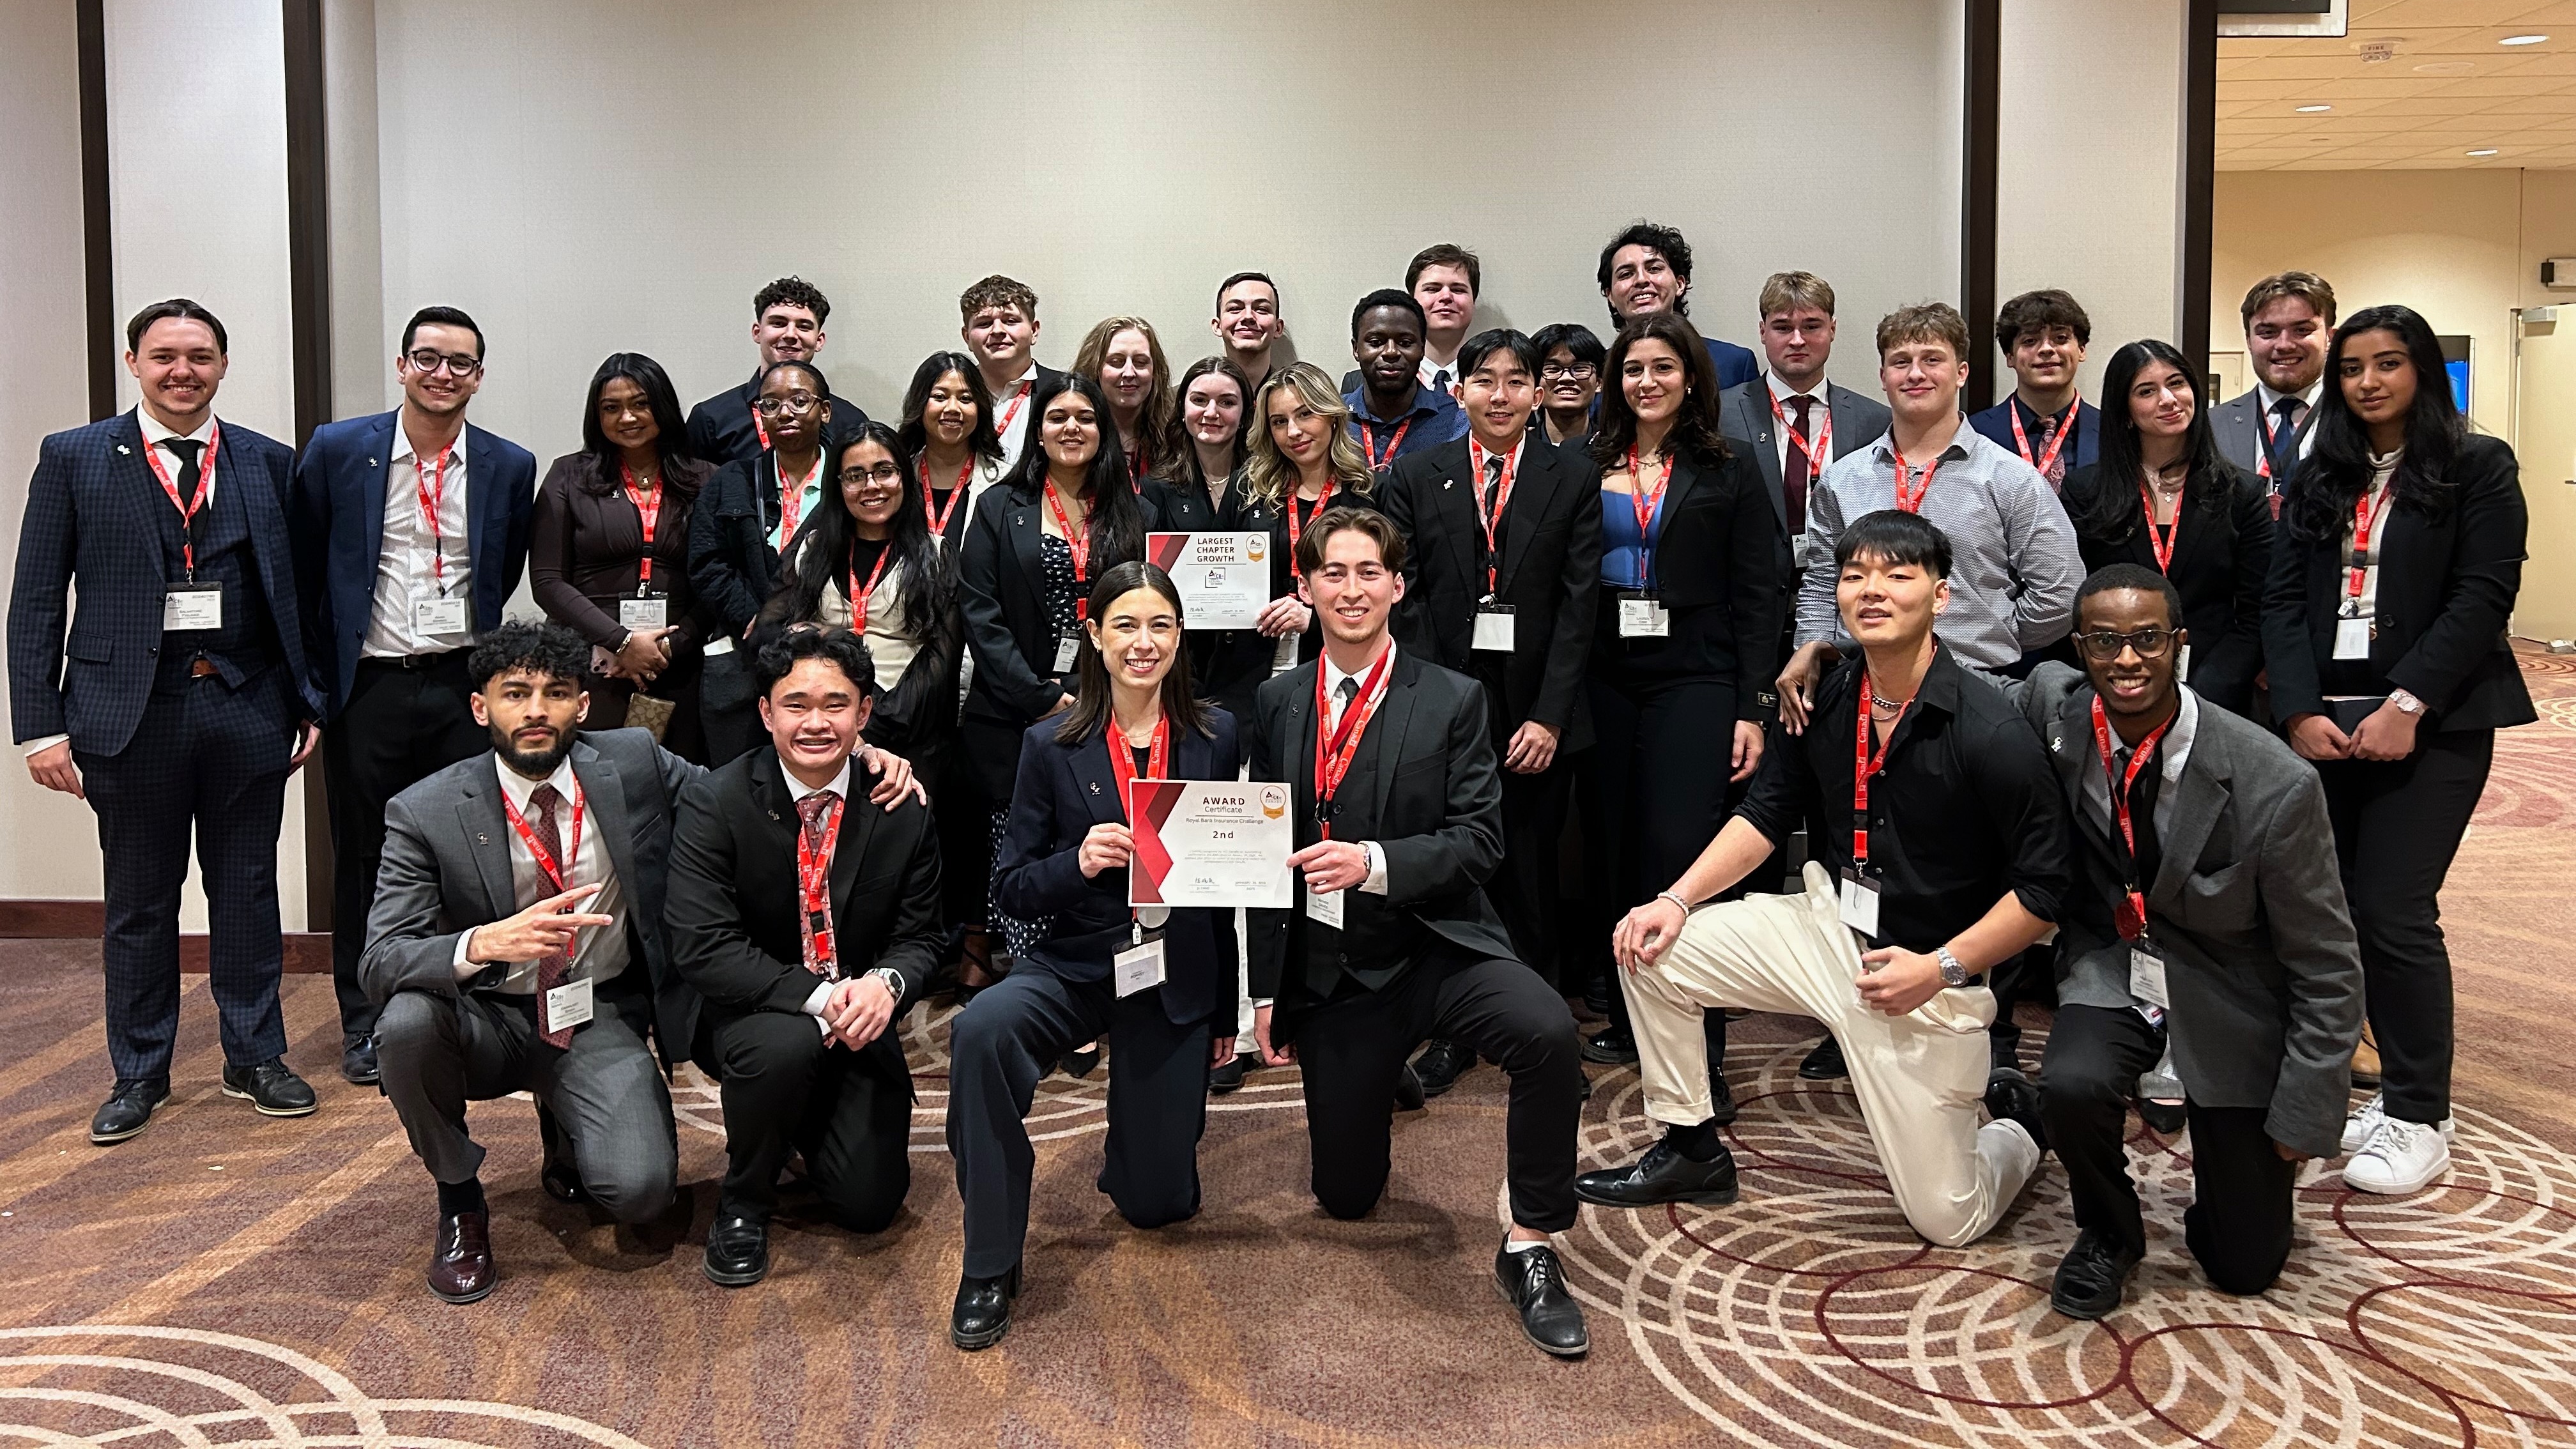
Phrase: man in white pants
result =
(1942, 852)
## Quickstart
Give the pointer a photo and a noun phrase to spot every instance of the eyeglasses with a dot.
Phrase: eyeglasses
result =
(795, 404)
(1568, 371)
(2105, 646)
(885, 475)
(427, 363)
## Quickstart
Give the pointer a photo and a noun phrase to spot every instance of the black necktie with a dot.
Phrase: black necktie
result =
(1793, 472)
(2142, 814)
(1343, 694)
(2286, 430)
(187, 449)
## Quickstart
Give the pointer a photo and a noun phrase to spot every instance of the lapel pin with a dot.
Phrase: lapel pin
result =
(482, 839)
(371, 462)
(1095, 787)
(123, 451)
(1448, 483)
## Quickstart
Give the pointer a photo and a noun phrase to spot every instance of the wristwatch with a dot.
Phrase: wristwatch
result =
(2405, 702)
(891, 979)
(1952, 973)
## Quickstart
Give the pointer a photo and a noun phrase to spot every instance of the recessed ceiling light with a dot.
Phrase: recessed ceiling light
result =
(2522, 40)
(2483, 151)
(2313, 110)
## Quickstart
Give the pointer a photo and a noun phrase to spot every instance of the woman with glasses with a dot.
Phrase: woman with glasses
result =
(1569, 378)
(1303, 460)
(2393, 578)
(2161, 495)
(747, 513)
(1124, 356)
(948, 431)
(608, 550)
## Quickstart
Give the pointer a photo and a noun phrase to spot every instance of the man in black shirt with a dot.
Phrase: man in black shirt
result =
(1942, 853)
(787, 318)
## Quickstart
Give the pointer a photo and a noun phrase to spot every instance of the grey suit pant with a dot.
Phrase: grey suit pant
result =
(439, 1052)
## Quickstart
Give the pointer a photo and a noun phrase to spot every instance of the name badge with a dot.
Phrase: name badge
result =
(2147, 977)
(1284, 658)
(653, 612)
(1494, 627)
(439, 616)
(192, 606)
(1644, 617)
(2352, 638)
(1324, 908)
(1064, 654)
(1806, 551)
(1858, 897)
(567, 1005)
(1138, 967)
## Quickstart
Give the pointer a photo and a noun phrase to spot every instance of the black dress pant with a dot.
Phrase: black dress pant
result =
(405, 720)
(1353, 1045)
(2238, 1225)
(1525, 891)
(1005, 1042)
(1662, 752)
(786, 1090)
(2397, 823)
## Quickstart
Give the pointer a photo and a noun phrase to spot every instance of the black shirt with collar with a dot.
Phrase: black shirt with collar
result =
(1964, 810)
(721, 430)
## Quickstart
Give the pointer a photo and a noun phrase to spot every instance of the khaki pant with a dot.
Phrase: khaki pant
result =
(1920, 1077)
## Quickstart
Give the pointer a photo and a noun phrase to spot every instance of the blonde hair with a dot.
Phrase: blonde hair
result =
(1268, 476)
(1788, 291)
(1158, 422)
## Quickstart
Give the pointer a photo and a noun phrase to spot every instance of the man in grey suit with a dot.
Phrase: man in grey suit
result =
(2289, 318)
(516, 944)
(2219, 940)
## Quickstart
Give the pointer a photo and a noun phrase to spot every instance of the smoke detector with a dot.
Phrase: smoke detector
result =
(2376, 52)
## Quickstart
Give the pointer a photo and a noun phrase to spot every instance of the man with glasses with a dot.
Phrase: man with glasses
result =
(2206, 928)
(787, 318)
(410, 531)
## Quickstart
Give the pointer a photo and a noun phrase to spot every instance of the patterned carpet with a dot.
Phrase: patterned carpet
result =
(229, 1280)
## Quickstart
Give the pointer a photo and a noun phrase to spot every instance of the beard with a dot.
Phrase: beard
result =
(532, 764)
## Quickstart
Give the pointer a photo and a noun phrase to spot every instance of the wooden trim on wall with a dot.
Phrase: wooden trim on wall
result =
(2199, 176)
(308, 255)
(1977, 182)
(306, 951)
(98, 250)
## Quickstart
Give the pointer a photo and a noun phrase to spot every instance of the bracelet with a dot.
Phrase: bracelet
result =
(1676, 900)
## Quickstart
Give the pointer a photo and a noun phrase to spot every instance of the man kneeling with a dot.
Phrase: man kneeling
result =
(1941, 853)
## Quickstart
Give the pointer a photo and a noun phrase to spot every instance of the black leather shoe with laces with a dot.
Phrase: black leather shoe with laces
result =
(2092, 1277)
(269, 1087)
(1663, 1175)
(1439, 1066)
(1533, 1282)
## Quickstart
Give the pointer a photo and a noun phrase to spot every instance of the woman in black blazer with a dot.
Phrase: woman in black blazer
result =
(1677, 714)
(947, 431)
(2211, 528)
(1064, 860)
(1216, 408)
(2394, 677)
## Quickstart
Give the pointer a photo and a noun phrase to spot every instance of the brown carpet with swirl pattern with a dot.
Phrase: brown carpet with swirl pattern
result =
(226, 1279)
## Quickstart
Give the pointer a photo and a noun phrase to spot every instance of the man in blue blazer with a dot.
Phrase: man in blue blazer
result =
(410, 532)
(1647, 268)
(177, 697)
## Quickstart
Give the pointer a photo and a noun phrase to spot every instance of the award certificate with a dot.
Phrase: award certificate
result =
(1224, 578)
(1217, 843)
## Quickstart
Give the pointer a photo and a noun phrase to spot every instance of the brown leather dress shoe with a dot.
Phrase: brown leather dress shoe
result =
(460, 1268)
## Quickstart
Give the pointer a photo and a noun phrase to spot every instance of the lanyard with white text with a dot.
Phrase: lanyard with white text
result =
(1912, 502)
(1491, 514)
(205, 489)
(648, 507)
(1368, 445)
(859, 595)
(1335, 747)
(2133, 907)
(1077, 541)
(814, 893)
(431, 484)
(2161, 542)
(956, 495)
(2357, 577)
(557, 872)
(1818, 452)
(1122, 758)
(2065, 430)
(1012, 413)
(791, 500)
(1323, 500)
(1864, 765)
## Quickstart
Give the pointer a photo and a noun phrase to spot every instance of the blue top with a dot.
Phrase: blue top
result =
(1734, 364)
(1435, 418)
(1625, 564)
(2080, 451)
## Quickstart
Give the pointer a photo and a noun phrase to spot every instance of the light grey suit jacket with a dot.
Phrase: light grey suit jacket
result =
(447, 870)
(2248, 912)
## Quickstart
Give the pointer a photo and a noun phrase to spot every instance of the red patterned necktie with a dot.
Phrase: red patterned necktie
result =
(813, 865)
(552, 971)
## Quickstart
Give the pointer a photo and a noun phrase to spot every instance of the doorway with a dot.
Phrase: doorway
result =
(2544, 438)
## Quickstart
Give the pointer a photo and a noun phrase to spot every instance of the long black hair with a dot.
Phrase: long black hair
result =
(673, 443)
(2111, 513)
(1116, 521)
(1091, 713)
(1182, 466)
(2319, 499)
(1697, 434)
(983, 441)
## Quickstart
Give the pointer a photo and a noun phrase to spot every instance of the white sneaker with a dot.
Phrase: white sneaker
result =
(2358, 1127)
(2400, 1158)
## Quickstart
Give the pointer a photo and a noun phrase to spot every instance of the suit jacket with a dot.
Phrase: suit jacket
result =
(1425, 785)
(1549, 572)
(2248, 912)
(2240, 424)
(721, 431)
(447, 870)
(732, 912)
(1720, 567)
(338, 520)
(88, 671)
(1736, 366)
(1063, 791)
(1002, 578)
(1745, 412)
(2446, 592)
(587, 542)
(2080, 451)
(732, 568)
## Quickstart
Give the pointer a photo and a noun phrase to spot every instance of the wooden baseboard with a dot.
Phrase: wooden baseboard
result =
(306, 951)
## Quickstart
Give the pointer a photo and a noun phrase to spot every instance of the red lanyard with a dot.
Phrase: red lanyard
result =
(1012, 414)
(814, 892)
(1323, 500)
(1492, 517)
(558, 872)
(859, 596)
(648, 507)
(1818, 452)
(1078, 540)
(791, 501)
(1122, 758)
(432, 486)
(1644, 502)
(2133, 911)
(1334, 748)
(2358, 575)
(939, 521)
(1368, 445)
(2021, 440)
(1865, 764)
(2162, 542)
(1912, 501)
(1139, 461)
(205, 490)
(759, 429)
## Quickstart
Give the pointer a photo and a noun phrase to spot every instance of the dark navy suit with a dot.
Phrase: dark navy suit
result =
(173, 732)
(396, 721)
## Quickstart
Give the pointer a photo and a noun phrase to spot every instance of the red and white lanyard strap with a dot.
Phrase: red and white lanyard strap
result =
(188, 510)
(860, 594)
(2162, 542)
(1323, 500)
(431, 483)
(648, 507)
(1818, 452)
(1865, 765)
(791, 497)
(1139, 462)
(1012, 413)
(1122, 758)
(1078, 542)
(814, 893)
(1644, 500)
(759, 429)
(2357, 577)
(1368, 445)
(956, 495)
(2065, 430)
(1910, 499)
(1335, 747)
(2133, 906)
(1491, 516)
(558, 873)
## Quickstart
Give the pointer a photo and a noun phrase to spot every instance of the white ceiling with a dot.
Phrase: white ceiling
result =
(2449, 89)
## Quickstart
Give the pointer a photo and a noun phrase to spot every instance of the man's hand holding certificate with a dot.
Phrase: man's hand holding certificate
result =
(1210, 843)
(1224, 578)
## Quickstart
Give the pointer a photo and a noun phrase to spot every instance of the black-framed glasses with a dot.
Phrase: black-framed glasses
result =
(884, 475)
(2104, 646)
(1568, 371)
(795, 404)
(427, 362)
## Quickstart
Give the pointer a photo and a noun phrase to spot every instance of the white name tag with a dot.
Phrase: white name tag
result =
(2147, 977)
(1859, 900)
(568, 1005)
(1644, 619)
(1806, 551)
(1284, 658)
(1494, 627)
(1064, 654)
(1138, 967)
(648, 613)
(2352, 638)
(439, 616)
(192, 606)
(1324, 909)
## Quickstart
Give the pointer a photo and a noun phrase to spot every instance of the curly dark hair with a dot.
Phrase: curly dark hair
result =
(839, 647)
(1664, 239)
(792, 291)
(537, 646)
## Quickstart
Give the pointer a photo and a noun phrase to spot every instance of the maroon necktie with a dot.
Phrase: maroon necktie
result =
(552, 971)
(1793, 472)
(2056, 461)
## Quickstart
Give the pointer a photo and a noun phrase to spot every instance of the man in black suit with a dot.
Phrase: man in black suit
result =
(1502, 572)
(186, 701)
(1389, 761)
(516, 946)
(787, 318)
(807, 923)
(998, 318)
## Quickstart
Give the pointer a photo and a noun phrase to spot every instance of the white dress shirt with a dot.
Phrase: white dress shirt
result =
(2270, 399)
(1376, 883)
(1018, 431)
(405, 573)
(598, 954)
(797, 790)
(2173, 753)
(1819, 418)
(1438, 376)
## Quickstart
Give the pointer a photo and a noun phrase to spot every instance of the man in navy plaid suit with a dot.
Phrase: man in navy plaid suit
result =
(178, 696)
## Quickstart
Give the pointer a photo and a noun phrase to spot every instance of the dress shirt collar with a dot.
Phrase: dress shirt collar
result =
(1425, 403)
(1333, 676)
(403, 449)
(1962, 443)
(156, 432)
(1476, 445)
(519, 787)
(797, 789)
(1781, 392)
(2270, 399)
(2176, 746)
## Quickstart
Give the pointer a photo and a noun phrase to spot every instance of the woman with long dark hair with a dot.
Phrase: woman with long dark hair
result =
(746, 514)
(1158, 981)
(2159, 494)
(948, 431)
(608, 550)
(2393, 577)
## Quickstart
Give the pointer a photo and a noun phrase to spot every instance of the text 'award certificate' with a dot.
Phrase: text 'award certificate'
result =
(1210, 843)
(1224, 578)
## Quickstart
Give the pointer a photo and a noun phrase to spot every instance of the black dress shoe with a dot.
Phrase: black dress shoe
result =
(1408, 1090)
(358, 1061)
(1722, 1108)
(2167, 1118)
(1533, 1281)
(1078, 1064)
(126, 1110)
(2092, 1277)
(1661, 1176)
(737, 1252)
(1612, 1046)
(1439, 1066)
(1825, 1063)
(270, 1087)
(460, 1266)
(560, 1176)
(2010, 1097)
(1227, 1078)
(983, 1311)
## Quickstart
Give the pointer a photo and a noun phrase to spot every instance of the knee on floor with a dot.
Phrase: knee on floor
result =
(1157, 1209)
(633, 1194)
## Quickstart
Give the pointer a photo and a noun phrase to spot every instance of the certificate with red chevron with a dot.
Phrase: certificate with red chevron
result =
(1210, 843)
(1224, 578)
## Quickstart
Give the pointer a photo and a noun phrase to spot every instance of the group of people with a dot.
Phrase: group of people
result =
(2171, 712)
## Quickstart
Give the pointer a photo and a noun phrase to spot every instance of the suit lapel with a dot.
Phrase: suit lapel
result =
(1454, 504)
(480, 494)
(487, 835)
(1098, 779)
(2203, 797)
(371, 489)
(1382, 747)
(138, 492)
(1754, 414)
(603, 796)
(860, 818)
(1533, 495)
(1026, 530)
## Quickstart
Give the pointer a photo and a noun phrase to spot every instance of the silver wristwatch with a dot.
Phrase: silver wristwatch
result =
(2406, 703)
(891, 979)
(1952, 973)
